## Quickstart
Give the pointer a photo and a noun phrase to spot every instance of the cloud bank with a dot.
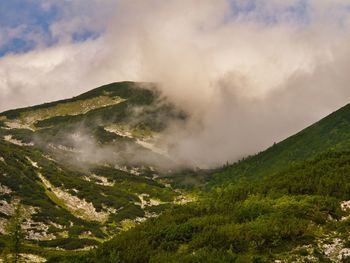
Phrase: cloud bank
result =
(249, 73)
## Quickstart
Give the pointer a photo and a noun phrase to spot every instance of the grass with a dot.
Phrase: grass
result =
(139, 131)
(123, 90)
(56, 200)
(127, 224)
(53, 197)
(66, 108)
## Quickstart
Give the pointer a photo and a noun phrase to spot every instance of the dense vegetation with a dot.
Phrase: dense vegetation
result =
(40, 167)
(249, 221)
(19, 175)
(332, 132)
(282, 204)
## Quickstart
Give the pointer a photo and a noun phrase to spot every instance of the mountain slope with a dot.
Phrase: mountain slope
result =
(298, 215)
(121, 113)
(87, 167)
(332, 132)
(288, 203)
(86, 170)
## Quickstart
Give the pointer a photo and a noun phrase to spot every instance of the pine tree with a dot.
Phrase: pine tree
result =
(16, 233)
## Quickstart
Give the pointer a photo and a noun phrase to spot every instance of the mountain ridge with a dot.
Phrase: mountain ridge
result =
(330, 132)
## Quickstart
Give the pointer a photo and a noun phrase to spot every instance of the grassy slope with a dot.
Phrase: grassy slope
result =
(129, 94)
(58, 118)
(286, 216)
(18, 174)
(124, 90)
(274, 205)
(21, 177)
(332, 132)
(228, 224)
(143, 111)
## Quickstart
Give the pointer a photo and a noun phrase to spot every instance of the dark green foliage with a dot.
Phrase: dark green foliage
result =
(256, 210)
(16, 233)
(325, 175)
(21, 177)
(332, 132)
(69, 243)
(144, 112)
(247, 221)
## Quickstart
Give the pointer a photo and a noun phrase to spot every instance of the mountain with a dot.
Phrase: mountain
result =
(92, 185)
(289, 203)
(126, 115)
(332, 132)
(298, 215)
(85, 168)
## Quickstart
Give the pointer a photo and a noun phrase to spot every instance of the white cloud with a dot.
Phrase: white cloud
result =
(246, 83)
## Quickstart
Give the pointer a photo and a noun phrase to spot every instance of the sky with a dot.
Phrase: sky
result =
(27, 25)
(249, 72)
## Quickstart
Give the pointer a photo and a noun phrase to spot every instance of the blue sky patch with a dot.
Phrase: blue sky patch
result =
(24, 24)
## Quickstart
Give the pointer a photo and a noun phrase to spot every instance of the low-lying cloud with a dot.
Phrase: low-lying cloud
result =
(249, 73)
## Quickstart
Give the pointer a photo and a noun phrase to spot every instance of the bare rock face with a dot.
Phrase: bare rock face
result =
(6, 208)
(4, 190)
(10, 139)
(345, 205)
(79, 207)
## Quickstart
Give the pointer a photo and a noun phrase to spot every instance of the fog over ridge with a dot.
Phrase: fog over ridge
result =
(249, 73)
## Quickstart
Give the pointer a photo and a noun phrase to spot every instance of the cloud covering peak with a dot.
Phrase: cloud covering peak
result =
(248, 72)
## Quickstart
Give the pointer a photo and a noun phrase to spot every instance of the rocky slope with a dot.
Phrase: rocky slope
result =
(87, 167)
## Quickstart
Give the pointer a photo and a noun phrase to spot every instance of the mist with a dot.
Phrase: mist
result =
(86, 153)
(248, 73)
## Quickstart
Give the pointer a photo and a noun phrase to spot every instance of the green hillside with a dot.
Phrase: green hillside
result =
(332, 132)
(90, 179)
(293, 216)
(73, 200)
(286, 204)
